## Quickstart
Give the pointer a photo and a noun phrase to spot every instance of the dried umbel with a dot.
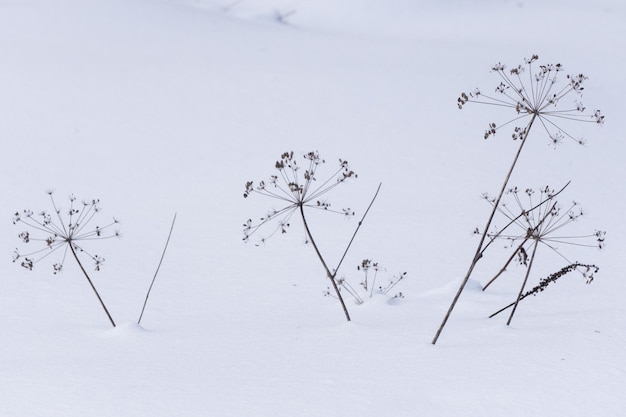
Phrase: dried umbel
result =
(536, 219)
(65, 232)
(298, 188)
(538, 92)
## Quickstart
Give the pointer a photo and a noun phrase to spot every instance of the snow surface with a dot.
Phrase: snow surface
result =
(158, 107)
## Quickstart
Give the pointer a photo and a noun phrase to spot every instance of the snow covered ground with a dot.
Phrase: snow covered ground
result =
(164, 106)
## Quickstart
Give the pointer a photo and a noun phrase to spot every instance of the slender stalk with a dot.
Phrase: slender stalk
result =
(504, 308)
(157, 270)
(357, 228)
(329, 274)
(373, 283)
(478, 253)
(521, 291)
(71, 245)
(508, 262)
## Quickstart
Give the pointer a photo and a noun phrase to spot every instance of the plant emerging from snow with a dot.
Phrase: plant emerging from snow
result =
(66, 231)
(586, 270)
(536, 95)
(300, 190)
(368, 284)
(536, 219)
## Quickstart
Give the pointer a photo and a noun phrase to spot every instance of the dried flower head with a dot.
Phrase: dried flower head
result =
(298, 190)
(296, 186)
(65, 229)
(536, 91)
(537, 218)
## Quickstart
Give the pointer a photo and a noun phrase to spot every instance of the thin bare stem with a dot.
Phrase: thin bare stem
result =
(521, 291)
(157, 270)
(357, 228)
(478, 253)
(71, 245)
(506, 265)
(329, 274)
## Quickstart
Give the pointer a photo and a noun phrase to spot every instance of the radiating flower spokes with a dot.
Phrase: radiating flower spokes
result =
(67, 230)
(536, 90)
(61, 229)
(537, 218)
(296, 188)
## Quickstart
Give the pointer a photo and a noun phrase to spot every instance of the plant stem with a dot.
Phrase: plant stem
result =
(358, 227)
(504, 308)
(478, 253)
(71, 245)
(521, 291)
(545, 282)
(157, 270)
(329, 274)
(506, 265)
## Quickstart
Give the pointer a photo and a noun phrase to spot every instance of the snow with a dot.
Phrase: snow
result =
(169, 106)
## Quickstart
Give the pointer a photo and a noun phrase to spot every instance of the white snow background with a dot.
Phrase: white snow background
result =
(158, 107)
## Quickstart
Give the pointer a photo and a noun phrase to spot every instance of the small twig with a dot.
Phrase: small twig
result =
(357, 229)
(157, 270)
(373, 282)
(393, 283)
(345, 284)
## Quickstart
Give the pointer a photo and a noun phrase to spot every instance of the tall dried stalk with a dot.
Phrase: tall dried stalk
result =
(535, 97)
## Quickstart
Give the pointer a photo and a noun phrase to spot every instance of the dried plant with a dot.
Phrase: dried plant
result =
(536, 219)
(365, 266)
(366, 285)
(535, 94)
(64, 231)
(300, 190)
(167, 242)
(586, 270)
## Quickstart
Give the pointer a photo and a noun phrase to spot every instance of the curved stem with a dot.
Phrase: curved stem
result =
(91, 283)
(478, 253)
(329, 274)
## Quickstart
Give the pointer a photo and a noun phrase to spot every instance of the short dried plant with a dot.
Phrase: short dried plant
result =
(537, 95)
(368, 283)
(586, 270)
(299, 189)
(65, 232)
